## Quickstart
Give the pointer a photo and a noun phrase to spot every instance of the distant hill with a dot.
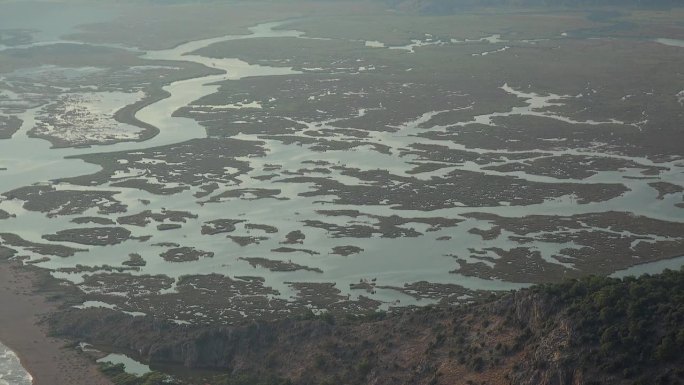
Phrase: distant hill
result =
(581, 332)
(448, 6)
(426, 5)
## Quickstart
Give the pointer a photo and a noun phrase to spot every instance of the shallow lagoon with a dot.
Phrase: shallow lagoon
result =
(393, 262)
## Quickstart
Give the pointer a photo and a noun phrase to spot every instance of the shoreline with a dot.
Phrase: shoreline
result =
(11, 371)
(45, 358)
(124, 115)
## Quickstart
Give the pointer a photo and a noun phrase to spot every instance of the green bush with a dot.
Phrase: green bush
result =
(633, 323)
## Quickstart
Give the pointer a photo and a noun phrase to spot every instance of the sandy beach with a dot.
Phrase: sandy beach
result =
(44, 357)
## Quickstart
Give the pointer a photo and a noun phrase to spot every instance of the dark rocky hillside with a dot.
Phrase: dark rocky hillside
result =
(588, 331)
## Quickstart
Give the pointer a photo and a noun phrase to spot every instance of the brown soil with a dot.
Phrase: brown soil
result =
(46, 358)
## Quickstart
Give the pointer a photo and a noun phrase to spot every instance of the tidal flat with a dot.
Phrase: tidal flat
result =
(280, 166)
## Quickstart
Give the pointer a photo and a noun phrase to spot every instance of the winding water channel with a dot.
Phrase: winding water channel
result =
(29, 160)
(382, 255)
(392, 262)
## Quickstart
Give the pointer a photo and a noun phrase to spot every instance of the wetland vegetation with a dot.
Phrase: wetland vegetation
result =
(212, 165)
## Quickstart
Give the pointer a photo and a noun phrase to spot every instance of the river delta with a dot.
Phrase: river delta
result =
(286, 168)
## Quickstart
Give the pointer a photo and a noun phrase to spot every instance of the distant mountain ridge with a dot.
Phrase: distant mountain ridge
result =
(427, 5)
(449, 6)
